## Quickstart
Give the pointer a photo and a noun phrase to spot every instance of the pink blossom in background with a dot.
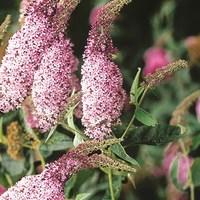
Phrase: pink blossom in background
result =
(198, 109)
(184, 164)
(23, 55)
(93, 15)
(170, 155)
(2, 190)
(103, 96)
(54, 82)
(192, 43)
(155, 58)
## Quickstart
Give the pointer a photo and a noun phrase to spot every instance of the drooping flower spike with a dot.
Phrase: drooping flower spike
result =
(102, 93)
(55, 80)
(24, 54)
(49, 185)
(44, 22)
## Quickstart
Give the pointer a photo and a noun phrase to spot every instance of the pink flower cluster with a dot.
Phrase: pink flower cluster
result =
(102, 93)
(40, 59)
(24, 54)
(49, 185)
(155, 58)
(94, 14)
(173, 154)
(54, 82)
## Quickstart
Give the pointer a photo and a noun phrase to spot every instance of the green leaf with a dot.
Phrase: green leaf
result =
(57, 142)
(69, 185)
(13, 167)
(119, 150)
(196, 172)
(174, 173)
(134, 87)
(145, 117)
(52, 131)
(77, 140)
(82, 196)
(160, 134)
(195, 142)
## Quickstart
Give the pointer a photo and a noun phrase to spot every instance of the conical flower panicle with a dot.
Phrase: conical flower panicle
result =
(64, 11)
(23, 56)
(54, 82)
(102, 93)
(49, 185)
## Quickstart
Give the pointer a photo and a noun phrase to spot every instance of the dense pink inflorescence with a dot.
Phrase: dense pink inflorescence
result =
(155, 58)
(49, 185)
(54, 82)
(24, 54)
(198, 109)
(102, 93)
(93, 15)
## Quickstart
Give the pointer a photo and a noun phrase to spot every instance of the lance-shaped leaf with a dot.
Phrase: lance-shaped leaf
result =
(136, 91)
(160, 134)
(119, 150)
(145, 117)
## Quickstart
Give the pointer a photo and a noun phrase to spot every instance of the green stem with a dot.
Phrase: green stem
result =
(110, 184)
(41, 158)
(133, 117)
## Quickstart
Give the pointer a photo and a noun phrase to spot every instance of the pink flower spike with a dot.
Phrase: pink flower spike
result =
(103, 96)
(49, 185)
(23, 56)
(155, 58)
(54, 82)
(94, 14)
